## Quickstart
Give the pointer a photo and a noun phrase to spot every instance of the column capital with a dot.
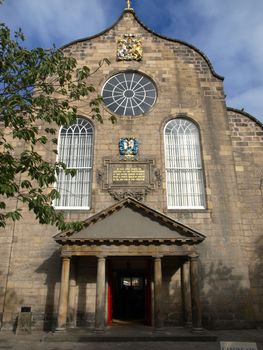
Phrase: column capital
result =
(101, 257)
(157, 256)
(194, 256)
(65, 257)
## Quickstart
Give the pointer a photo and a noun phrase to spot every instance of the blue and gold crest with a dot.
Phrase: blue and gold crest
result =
(129, 148)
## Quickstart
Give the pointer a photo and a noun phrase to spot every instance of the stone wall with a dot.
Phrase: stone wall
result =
(247, 139)
(232, 158)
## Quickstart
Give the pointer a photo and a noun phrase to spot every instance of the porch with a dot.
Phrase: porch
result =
(125, 233)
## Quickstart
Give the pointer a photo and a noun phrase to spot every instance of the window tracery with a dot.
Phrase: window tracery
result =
(75, 149)
(184, 171)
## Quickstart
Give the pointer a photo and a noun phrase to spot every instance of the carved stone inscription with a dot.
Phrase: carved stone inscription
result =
(128, 174)
(128, 178)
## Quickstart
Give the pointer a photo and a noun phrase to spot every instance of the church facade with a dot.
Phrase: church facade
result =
(171, 197)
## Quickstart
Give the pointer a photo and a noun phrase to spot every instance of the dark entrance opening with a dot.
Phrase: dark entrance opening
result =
(129, 290)
(129, 297)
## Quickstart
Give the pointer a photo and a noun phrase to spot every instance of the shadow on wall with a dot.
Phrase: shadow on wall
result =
(172, 296)
(85, 274)
(51, 267)
(226, 303)
(256, 277)
(86, 283)
(9, 313)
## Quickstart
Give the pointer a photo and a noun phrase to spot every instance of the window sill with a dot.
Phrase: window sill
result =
(185, 210)
(72, 208)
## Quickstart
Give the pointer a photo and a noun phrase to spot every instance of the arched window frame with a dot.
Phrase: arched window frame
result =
(184, 167)
(75, 149)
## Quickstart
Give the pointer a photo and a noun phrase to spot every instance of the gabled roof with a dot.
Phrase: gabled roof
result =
(131, 221)
(152, 32)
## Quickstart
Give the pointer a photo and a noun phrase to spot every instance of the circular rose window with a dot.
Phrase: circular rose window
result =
(129, 93)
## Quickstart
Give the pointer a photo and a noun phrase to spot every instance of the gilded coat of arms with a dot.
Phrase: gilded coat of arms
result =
(129, 48)
(129, 148)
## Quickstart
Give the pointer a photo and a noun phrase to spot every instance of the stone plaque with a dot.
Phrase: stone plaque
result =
(231, 345)
(128, 174)
(128, 178)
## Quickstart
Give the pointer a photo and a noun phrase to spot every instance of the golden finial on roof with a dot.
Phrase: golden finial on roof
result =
(128, 5)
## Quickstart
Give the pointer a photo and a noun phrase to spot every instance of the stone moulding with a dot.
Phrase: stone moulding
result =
(138, 195)
(135, 248)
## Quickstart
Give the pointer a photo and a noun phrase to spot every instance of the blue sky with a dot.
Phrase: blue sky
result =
(229, 32)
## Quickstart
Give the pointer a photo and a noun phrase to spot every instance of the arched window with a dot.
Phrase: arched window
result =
(184, 173)
(75, 149)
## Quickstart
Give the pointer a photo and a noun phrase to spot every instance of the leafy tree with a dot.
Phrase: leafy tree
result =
(40, 90)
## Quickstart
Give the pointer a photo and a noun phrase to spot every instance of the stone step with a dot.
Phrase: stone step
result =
(136, 334)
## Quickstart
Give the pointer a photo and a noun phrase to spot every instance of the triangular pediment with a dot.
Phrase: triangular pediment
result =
(130, 220)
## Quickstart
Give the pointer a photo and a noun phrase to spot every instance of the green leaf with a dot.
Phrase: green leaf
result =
(14, 215)
(26, 184)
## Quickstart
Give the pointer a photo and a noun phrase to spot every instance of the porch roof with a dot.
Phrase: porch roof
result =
(130, 221)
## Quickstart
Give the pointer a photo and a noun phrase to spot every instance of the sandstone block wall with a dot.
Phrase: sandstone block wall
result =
(231, 255)
(247, 140)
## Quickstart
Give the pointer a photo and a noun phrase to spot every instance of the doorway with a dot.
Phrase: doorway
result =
(129, 297)
(129, 294)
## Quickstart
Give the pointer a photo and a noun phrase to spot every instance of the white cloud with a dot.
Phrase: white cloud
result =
(56, 21)
(251, 98)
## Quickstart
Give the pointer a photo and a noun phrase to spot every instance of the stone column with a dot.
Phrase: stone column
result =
(72, 312)
(63, 296)
(100, 295)
(186, 293)
(195, 294)
(158, 317)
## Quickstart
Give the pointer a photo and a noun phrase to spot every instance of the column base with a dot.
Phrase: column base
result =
(72, 326)
(7, 328)
(158, 330)
(60, 329)
(198, 330)
(99, 330)
(188, 324)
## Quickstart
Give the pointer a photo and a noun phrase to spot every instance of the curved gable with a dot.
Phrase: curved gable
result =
(234, 111)
(180, 42)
